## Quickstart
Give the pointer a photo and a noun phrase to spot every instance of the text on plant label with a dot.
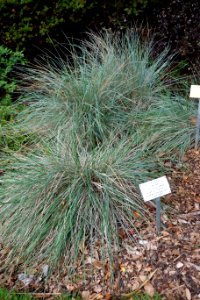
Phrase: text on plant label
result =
(155, 188)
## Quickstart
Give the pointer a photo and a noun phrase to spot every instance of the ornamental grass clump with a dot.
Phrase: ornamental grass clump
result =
(94, 92)
(105, 120)
(59, 198)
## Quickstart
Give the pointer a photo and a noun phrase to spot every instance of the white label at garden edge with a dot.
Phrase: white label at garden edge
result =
(155, 188)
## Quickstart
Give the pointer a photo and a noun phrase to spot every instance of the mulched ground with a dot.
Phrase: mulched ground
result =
(168, 264)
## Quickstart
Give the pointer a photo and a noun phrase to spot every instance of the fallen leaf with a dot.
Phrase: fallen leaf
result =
(97, 264)
(166, 233)
(188, 294)
(149, 289)
(135, 285)
(89, 260)
(122, 268)
(96, 255)
(108, 296)
(175, 252)
(45, 270)
(171, 273)
(70, 287)
(26, 279)
(122, 233)
(95, 297)
(107, 271)
(97, 289)
(133, 251)
(143, 242)
(182, 221)
(148, 278)
(136, 214)
(179, 265)
(195, 266)
(197, 199)
(131, 231)
(82, 246)
(98, 297)
(85, 295)
(193, 120)
(139, 265)
(143, 278)
(152, 246)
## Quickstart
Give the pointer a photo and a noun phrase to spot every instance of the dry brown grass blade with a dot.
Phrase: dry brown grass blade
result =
(129, 295)
(41, 295)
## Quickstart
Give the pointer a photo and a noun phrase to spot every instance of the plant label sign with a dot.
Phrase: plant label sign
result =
(195, 91)
(155, 188)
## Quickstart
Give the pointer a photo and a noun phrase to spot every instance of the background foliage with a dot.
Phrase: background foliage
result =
(26, 22)
(176, 24)
(28, 25)
(8, 61)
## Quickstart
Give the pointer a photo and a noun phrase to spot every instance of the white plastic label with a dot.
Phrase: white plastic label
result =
(195, 91)
(155, 188)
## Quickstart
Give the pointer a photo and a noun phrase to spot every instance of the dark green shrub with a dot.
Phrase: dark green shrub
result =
(31, 25)
(8, 61)
(27, 23)
(10, 137)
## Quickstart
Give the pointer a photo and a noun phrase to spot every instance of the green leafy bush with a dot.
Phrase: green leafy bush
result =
(12, 138)
(33, 22)
(8, 61)
(9, 137)
(105, 120)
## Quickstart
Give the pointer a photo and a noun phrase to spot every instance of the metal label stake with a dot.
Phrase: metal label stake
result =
(158, 216)
(153, 190)
(198, 128)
